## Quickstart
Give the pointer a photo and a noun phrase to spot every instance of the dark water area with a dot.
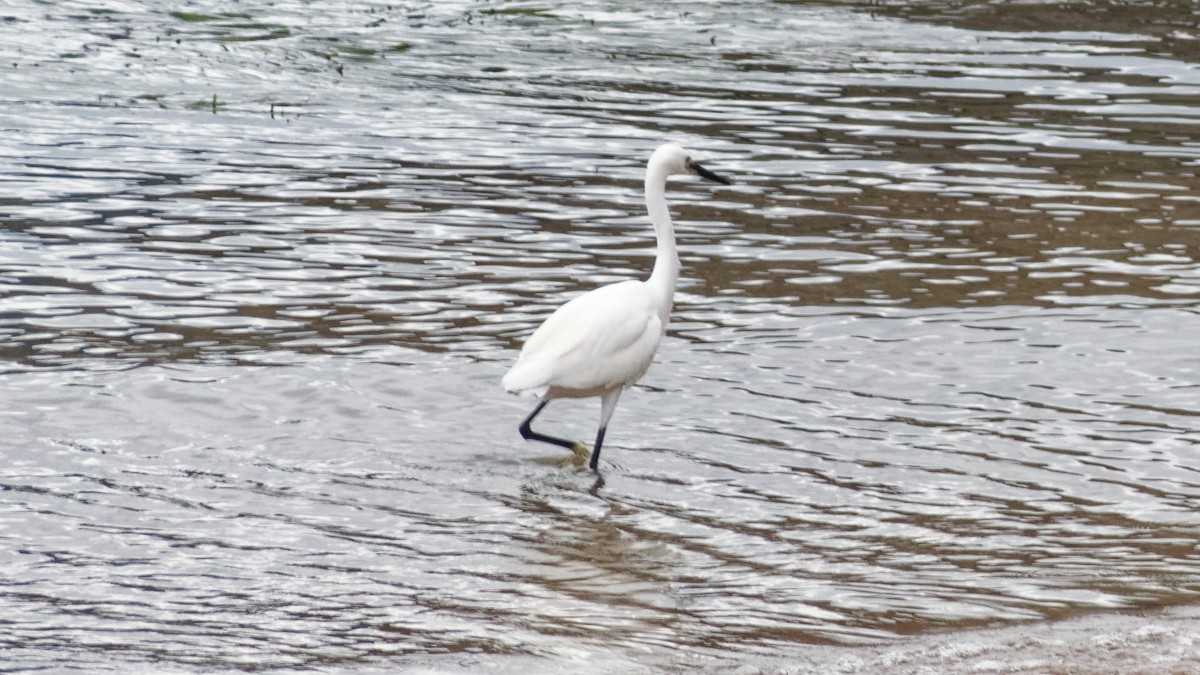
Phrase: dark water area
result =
(929, 400)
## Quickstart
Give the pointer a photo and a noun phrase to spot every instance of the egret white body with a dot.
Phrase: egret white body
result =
(603, 341)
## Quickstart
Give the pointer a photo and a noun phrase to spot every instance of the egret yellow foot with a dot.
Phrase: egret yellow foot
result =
(581, 451)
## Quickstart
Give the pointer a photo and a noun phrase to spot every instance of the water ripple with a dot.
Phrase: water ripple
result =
(261, 269)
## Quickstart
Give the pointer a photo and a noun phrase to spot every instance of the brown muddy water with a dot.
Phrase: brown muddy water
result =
(929, 401)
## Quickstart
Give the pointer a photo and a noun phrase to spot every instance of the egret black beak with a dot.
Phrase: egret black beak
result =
(705, 173)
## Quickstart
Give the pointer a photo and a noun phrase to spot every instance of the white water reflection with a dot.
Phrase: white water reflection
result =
(836, 477)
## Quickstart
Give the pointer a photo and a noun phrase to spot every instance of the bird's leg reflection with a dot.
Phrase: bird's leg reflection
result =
(597, 486)
(578, 449)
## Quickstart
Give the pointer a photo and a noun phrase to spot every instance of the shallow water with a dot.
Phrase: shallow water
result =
(931, 366)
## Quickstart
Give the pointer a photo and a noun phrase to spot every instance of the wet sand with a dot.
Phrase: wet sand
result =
(1137, 643)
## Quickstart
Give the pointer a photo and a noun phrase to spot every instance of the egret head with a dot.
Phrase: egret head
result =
(674, 161)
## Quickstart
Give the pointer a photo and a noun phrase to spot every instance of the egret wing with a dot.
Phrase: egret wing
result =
(597, 341)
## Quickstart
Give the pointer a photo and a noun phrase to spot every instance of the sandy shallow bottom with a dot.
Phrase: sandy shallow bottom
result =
(1147, 643)
(1163, 642)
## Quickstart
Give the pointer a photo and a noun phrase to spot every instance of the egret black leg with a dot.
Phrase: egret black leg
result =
(528, 433)
(595, 460)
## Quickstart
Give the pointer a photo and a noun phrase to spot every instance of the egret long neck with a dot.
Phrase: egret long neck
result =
(666, 262)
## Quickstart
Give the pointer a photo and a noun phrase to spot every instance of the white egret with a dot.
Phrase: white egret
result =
(601, 342)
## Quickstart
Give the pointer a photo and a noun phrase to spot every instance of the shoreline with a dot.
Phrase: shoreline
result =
(1149, 642)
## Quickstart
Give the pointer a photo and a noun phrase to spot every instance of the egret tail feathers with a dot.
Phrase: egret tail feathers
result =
(528, 378)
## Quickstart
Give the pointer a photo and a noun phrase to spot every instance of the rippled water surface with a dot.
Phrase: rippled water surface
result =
(932, 366)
